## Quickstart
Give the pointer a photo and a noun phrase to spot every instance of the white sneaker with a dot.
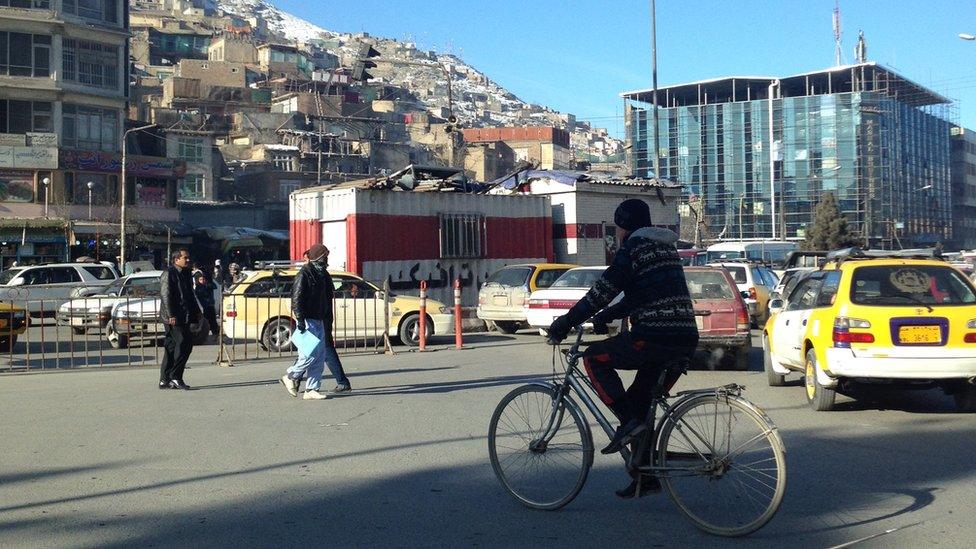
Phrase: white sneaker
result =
(291, 385)
(314, 395)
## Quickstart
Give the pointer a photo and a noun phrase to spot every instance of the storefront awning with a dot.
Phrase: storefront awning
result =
(242, 243)
(95, 228)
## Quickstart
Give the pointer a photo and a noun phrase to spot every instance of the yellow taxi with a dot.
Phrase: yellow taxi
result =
(259, 308)
(13, 322)
(876, 317)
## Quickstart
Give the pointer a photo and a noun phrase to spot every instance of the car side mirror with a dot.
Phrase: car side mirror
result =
(776, 305)
(745, 295)
(16, 282)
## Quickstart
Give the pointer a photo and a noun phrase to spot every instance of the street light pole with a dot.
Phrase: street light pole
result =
(47, 193)
(90, 185)
(125, 135)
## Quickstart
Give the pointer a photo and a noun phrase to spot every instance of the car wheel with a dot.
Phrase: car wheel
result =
(966, 399)
(820, 398)
(409, 331)
(507, 326)
(772, 378)
(276, 337)
(79, 331)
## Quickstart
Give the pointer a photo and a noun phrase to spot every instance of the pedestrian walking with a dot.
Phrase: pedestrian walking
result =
(180, 313)
(204, 290)
(311, 305)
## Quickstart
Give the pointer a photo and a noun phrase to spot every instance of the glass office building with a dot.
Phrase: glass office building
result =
(879, 142)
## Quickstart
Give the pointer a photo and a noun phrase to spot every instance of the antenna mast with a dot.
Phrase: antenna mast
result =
(837, 33)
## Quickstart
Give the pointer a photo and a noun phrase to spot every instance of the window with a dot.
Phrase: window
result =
(142, 287)
(908, 285)
(25, 116)
(29, 4)
(191, 187)
(36, 277)
(90, 63)
(102, 192)
(462, 235)
(272, 286)
(709, 285)
(828, 291)
(89, 128)
(100, 272)
(64, 275)
(351, 288)
(805, 295)
(547, 277)
(25, 54)
(98, 10)
(190, 149)
(578, 278)
(738, 273)
(510, 277)
(282, 162)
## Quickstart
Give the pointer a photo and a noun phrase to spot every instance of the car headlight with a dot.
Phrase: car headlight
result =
(445, 310)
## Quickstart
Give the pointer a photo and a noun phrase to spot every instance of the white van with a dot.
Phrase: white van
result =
(766, 251)
(42, 289)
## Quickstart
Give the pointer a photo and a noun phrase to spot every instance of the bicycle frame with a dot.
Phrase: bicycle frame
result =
(574, 380)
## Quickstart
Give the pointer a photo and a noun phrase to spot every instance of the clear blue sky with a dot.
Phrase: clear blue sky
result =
(578, 55)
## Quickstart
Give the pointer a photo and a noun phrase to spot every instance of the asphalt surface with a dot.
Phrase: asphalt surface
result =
(103, 458)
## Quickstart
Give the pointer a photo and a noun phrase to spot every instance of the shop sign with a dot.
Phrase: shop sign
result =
(29, 157)
(35, 139)
(13, 139)
(90, 161)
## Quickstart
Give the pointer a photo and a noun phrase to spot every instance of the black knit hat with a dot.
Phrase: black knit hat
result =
(632, 214)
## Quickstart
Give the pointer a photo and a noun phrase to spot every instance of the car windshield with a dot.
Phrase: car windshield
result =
(910, 285)
(738, 273)
(113, 288)
(577, 278)
(714, 256)
(510, 276)
(708, 285)
(9, 274)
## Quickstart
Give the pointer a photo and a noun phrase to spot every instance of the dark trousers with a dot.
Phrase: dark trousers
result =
(177, 346)
(210, 313)
(626, 352)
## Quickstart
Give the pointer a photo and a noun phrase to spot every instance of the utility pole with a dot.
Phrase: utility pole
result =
(654, 148)
(125, 135)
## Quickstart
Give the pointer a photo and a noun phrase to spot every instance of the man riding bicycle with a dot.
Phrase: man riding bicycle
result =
(648, 270)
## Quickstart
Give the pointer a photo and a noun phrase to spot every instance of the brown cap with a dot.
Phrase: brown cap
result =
(316, 252)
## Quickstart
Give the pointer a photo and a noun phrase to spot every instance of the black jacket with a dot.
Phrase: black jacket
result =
(177, 299)
(311, 296)
(205, 294)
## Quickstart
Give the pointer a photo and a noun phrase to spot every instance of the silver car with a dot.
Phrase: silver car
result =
(42, 289)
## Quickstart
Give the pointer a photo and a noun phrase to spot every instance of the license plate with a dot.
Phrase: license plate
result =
(919, 334)
(700, 322)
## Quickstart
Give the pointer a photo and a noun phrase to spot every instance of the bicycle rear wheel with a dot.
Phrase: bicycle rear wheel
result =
(725, 464)
(547, 475)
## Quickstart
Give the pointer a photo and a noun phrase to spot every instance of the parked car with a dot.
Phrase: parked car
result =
(905, 322)
(504, 295)
(95, 311)
(259, 308)
(547, 304)
(13, 322)
(756, 282)
(42, 289)
(724, 331)
(139, 319)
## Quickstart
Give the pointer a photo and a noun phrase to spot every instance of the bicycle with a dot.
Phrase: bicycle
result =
(728, 483)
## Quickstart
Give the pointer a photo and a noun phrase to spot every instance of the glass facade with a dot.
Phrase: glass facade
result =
(887, 163)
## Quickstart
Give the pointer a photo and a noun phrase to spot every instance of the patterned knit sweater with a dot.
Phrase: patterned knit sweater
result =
(647, 269)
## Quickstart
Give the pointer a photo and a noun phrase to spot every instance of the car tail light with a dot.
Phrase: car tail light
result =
(843, 336)
(538, 303)
(752, 293)
(970, 338)
(742, 322)
(482, 300)
(231, 312)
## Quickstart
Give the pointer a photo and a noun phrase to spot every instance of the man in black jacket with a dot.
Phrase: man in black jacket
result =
(178, 310)
(311, 304)
(648, 271)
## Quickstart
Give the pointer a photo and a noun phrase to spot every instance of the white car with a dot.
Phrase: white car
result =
(755, 283)
(95, 311)
(545, 305)
(139, 319)
(42, 289)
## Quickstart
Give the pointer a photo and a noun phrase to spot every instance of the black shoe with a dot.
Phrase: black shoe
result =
(164, 385)
(625, 433)
(649, 484)
(178, 384)
(339, 389)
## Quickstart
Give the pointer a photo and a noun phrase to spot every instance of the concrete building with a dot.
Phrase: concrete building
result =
(196, 149)
(281, 59)
(963, 188)
(488, 161)
(62, 97)
(876, 140)
(233, 49)
(547, 147)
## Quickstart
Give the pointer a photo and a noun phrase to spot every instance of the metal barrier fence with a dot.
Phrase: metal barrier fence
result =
(46, 329)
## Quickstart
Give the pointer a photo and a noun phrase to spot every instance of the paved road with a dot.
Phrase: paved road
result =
(104, 458)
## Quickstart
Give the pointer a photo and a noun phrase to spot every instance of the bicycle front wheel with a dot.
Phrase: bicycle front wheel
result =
(542, 472)
(724, 464)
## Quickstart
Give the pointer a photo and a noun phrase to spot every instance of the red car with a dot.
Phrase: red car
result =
(724, 325)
